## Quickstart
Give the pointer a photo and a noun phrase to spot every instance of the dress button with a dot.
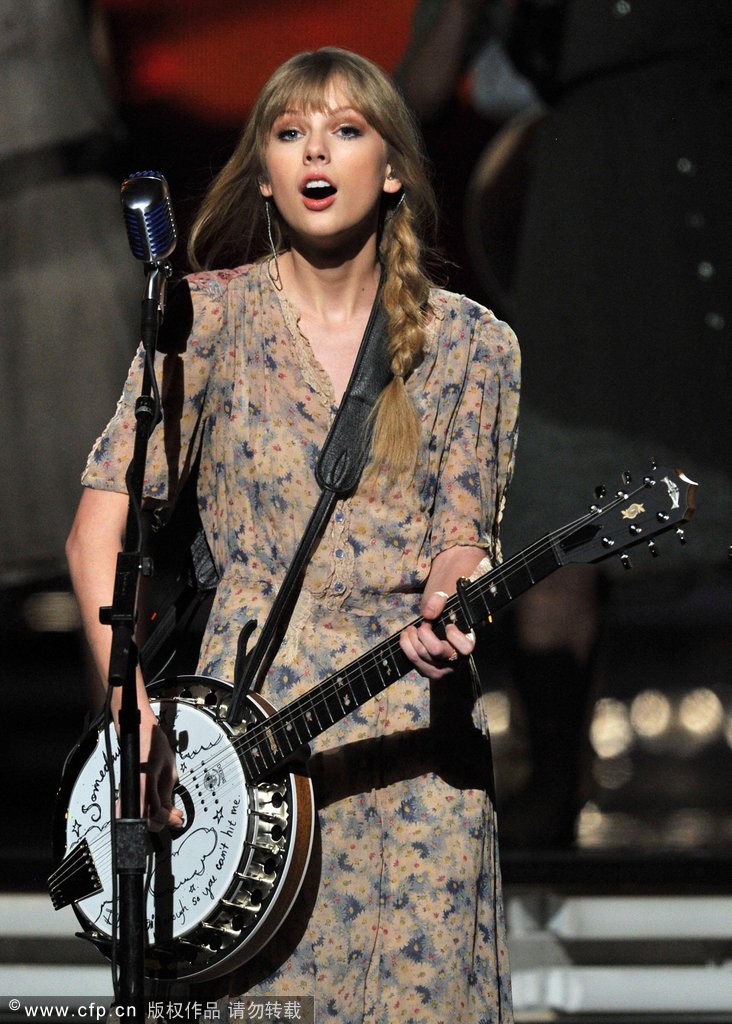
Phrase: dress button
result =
(621, 8)
(339, 516)
(696, 220)
(339, 587)
(339, 553)
(705, 270)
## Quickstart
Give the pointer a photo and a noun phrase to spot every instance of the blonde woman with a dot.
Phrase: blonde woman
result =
(400, 915)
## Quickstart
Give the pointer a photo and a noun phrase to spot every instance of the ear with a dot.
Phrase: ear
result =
(392, 184)
(265, 188)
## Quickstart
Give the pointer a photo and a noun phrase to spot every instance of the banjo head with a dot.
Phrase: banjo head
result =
(216, 890)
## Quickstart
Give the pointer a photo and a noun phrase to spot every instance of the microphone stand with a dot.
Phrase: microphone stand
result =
(129, 831)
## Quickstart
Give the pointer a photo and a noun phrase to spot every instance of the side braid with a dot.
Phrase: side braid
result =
(406, 295)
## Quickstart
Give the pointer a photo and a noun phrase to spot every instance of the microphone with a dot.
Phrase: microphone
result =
(148, 214)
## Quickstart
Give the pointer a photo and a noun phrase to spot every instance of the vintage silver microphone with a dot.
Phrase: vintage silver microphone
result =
(148, 214)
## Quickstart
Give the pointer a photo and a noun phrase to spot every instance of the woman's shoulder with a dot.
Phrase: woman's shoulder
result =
(452, 312)
(199, 303)
(217, 282)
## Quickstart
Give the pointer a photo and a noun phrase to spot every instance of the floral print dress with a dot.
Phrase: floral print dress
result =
(400, 917)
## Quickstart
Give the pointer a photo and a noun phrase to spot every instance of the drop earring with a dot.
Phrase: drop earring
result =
(273, 275)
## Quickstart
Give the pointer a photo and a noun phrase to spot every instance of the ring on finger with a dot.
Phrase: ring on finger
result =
(454, 656)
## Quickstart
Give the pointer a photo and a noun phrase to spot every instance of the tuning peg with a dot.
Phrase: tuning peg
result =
(600, 491)
(652, 548)
(627, 478)
(625, 559)
(635, 530)
(662, 517)
(681, 535)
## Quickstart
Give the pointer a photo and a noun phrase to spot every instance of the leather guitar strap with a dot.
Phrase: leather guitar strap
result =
(338, 471)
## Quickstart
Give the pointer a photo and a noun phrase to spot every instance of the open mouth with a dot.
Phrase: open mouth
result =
(318, 189)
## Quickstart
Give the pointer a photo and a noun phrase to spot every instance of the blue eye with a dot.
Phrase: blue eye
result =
(288, 134)
(349, 131)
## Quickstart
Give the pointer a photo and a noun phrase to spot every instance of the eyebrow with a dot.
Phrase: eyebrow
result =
(329, 111)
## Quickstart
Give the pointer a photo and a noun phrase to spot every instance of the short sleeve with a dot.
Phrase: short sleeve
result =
(182, 373)
(478, 458)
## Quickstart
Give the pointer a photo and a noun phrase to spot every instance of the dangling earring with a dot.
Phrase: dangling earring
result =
(274, 277)
(392, 212)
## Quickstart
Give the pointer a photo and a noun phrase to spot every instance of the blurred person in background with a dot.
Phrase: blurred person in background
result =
(598, 220)
(69, 287)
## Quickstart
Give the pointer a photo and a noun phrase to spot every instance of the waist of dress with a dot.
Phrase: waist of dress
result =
(260, 588)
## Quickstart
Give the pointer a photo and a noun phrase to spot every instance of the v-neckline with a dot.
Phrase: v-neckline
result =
(314, 373)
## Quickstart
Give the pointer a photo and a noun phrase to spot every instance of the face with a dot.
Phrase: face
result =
(327, 172)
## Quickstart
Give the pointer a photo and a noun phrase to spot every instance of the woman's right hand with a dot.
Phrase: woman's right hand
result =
(158, 777)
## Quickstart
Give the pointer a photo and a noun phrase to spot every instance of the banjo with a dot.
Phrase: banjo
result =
(218, 889)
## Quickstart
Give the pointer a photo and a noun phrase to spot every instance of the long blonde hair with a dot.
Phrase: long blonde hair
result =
(231, 226)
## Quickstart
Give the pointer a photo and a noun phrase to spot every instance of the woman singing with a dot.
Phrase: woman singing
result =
(400, 916)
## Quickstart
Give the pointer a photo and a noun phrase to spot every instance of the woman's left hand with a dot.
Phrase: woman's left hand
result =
(433, 657)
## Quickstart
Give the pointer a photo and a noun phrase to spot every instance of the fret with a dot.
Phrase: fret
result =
(310, 717)
(481, 595)
(272, 745)
(331, 703)
(450, 614)
(546, 561)
(290, 727)
(387, 666)
(513, 582)
(344, 695)
(499, 587)
(362, 686)
(251, 767)
(510, 585)
(256, 755)
(525, 572)
(278, 734)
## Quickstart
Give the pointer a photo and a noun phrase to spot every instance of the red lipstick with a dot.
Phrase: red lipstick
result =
(318, 192)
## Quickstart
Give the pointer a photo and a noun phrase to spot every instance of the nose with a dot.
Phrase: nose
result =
(316, 148)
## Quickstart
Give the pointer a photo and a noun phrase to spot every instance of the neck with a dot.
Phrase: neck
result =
(330, 289)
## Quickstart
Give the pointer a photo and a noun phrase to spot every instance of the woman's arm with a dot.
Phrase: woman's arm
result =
(96, 538)
(94, 542)
(428, 653)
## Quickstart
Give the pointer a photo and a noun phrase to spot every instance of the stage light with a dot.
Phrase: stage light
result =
(651, 714)
(701, 713)
(690, 827)
(613, 772)
(610, 732)
(497, 709)
(51, 611)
